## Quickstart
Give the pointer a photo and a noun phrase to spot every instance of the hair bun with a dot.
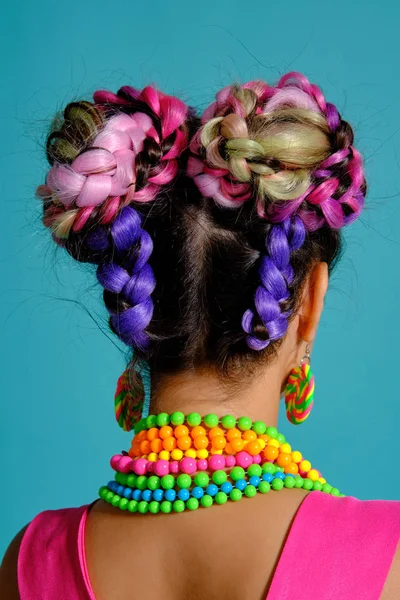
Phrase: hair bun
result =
(283, 146)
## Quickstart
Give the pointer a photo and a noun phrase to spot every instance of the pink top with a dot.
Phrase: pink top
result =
(346, 553)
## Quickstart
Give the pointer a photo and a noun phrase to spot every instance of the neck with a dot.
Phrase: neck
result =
(203, 392)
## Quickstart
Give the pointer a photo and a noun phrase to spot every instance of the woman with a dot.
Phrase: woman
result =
(213, 240)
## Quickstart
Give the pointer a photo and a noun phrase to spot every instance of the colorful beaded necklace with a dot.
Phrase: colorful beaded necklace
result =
(179, 463)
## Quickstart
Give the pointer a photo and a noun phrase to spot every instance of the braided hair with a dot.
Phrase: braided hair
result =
(203, 228)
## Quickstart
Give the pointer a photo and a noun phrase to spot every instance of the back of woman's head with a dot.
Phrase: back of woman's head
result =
(205, 229)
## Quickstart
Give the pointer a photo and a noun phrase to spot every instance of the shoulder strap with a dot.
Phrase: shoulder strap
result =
(49, 561)
(338, 548)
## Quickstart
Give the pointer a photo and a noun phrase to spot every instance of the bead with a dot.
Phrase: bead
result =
(140, 425)
(164, 455)
(322, 480)
(194, 419)
(219, 442)
(313, 474)
(137, 495)
(125, 464)
(267, 477)
(141, 482)
(153, 482)
(243, 459)
(259, 427)
(219, 477)
(114, 461)
(166, 431)
(221, 498)
(158, 495)
(202, 465)
(233, 433)
(280, 438)
(197, 492)
(143, 507)
(305, 466)
(292, 468)
(254, 480)
(284, 459)
(120, 490)
(202, 479)
(262, 443)
(307, 484)
(297, 456)
(335, 492)
(274, 443)
(326, 488)
(206, 501)
(288, 482)
(241, 484)
(139, 466)
(298, 482)
(264, 487)
(188, 466)
(237, 473)
(201, 441)
(244, 423)
(170, 495)
(169, 443)
(237, 444)
(103, 491)
(277, 484)
(272, 432)
(230, 461)
(216, 462)
(184, 495)
(211, 489)
(181, 430)
(226, 487)
(152, 434)
(154, 507)
(174, 466)
(249, 435)
(132, 506)
(228, 422)
(271, 453)
(146, 495)
(268, 468)
(211, 421)
(254, 470)
(229, 450)
(215, 431)
(184, 481)
(235, 495)
(253, 448)
(109, 497)
(192, 504)
(317, 486)
(202, 453)
(144, 447)
(162, 419)
(178, 506)
(250, 491)
(166, 507)
(177, 454)
(151, 421)
(177, 418)
(198, 431)
(184, 442)
(152, 457)
(167, 482)
(287, 448)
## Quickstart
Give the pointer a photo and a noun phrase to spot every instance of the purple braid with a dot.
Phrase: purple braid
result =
(276, 274)
(128, 279)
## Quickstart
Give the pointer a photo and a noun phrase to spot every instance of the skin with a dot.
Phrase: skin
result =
(218, 553)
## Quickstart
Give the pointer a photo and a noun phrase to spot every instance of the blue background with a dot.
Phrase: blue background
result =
(58, 367)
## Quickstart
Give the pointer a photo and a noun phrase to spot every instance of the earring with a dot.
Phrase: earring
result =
(132, 398)
(299, 392)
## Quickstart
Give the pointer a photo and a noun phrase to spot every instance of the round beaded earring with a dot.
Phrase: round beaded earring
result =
(132, 398)
(299, 392)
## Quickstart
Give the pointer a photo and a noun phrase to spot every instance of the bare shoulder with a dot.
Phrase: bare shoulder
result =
(391, 589)
(8, 569)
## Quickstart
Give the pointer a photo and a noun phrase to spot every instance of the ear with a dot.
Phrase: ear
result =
(313, 301)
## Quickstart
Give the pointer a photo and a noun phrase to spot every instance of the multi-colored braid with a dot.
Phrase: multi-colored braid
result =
(88, 199)
(235, 158)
